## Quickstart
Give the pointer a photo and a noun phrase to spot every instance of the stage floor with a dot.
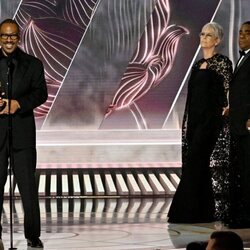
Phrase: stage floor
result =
(108, 224)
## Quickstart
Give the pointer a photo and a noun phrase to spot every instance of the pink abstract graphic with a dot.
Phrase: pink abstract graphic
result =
(152, 61)
(52, 31)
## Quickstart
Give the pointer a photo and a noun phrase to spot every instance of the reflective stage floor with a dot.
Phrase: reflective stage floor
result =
(108, 224)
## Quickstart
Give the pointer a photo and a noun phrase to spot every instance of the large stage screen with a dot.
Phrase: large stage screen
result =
(116, 72)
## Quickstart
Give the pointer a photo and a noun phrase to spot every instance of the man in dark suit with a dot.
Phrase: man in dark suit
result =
(27, 91)
(239, 114)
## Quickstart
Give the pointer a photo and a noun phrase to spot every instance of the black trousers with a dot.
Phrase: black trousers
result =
(24, 165)
(244, 171)
(240, 180)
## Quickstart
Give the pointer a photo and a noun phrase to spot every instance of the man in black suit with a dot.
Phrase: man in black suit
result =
(27, 91)
(239, 114)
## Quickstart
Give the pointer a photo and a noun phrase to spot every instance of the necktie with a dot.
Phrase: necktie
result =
(242, 53)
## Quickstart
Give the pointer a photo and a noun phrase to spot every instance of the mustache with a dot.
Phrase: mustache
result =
(8, 43)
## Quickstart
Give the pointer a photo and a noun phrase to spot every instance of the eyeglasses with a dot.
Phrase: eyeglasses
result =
(11, 36)
(206, 35)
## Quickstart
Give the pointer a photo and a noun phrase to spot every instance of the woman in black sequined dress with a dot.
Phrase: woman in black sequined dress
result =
(205, 149)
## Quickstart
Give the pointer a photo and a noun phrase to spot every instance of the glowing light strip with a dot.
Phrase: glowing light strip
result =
(103, 165)
(18, 7)
(58, 144)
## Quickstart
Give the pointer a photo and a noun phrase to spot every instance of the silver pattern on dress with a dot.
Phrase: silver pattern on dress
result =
(220, 158)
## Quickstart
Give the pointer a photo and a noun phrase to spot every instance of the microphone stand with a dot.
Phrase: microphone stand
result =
(10, 150)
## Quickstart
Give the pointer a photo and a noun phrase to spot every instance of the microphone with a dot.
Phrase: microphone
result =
(2, 93)
(3, 106)
(10, 65)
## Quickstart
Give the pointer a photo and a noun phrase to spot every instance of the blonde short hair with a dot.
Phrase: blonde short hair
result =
(218, 30)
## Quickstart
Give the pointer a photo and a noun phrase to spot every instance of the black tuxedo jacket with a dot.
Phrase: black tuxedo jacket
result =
(29, 89)
(239, 97)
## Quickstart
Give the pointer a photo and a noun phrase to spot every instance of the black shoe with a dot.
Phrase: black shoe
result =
(35, 243)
